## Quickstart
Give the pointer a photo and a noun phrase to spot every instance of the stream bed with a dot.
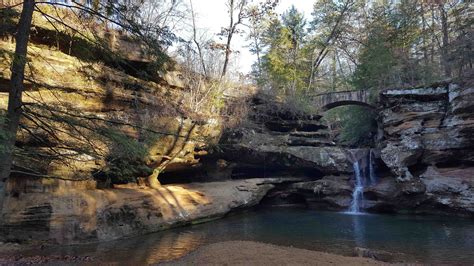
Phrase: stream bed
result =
(424, 239)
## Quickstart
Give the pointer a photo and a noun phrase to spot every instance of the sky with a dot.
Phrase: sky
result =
(212, 16)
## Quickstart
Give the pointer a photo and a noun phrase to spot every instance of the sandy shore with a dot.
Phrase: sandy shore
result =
(254, 253)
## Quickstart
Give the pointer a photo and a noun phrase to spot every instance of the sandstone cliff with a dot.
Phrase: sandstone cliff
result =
(76, 212)
(429, 148)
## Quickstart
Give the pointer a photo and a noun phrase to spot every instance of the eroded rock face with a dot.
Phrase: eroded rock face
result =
(72, 212)
(284, 142)
(110, 111)
(429, 147)
(428, 126)
(450, 187)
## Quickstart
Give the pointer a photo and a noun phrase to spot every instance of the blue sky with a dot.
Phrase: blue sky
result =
(212, 16)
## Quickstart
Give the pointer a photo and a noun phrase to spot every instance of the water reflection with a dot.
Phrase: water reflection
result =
(172, 246)
(359, 230)
(413, 239)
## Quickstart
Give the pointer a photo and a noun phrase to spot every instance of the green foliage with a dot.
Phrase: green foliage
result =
(8, 21)
(387, 59)
(284, 61)
(126, 160)
(299, 105)
(376, 60)
(357, 125)
(124, 147)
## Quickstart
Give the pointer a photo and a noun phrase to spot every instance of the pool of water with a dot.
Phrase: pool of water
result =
(424, 239)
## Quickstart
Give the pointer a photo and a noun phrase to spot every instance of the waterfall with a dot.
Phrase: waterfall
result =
(373, 177)
(364, 174)
(357, 194)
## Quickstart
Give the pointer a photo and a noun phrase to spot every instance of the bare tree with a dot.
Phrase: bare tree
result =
(237, 13)
(258, 15)
(195, 40)
(334, 33)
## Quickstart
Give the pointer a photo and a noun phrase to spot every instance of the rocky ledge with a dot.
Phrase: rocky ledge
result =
(76, 212)
(282, 143)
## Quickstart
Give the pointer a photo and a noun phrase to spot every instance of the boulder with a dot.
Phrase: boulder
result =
(398, 156)
(331, 192)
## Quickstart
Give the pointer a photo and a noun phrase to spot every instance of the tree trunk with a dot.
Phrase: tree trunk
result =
(423, 23)
(198, 45)
(444, 49)
(229, 38)
(257, 52)
(152, 180)
(227, 54)
(14, 110)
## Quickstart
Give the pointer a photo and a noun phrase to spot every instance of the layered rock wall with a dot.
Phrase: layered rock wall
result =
(429, 148)
(284, 143)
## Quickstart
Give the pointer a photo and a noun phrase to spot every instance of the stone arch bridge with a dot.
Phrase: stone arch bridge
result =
(329, 100)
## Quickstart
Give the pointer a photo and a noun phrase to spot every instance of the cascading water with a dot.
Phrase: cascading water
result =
(357, 194)
(361, 179)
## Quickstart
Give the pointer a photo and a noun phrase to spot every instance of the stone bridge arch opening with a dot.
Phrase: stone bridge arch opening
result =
(351, 123)
(350, 116)
(333, 105)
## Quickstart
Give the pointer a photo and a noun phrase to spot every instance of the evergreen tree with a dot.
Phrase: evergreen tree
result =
(283, 61)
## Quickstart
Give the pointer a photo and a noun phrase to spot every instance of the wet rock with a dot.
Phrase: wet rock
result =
(373, 254)
(331, 192)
